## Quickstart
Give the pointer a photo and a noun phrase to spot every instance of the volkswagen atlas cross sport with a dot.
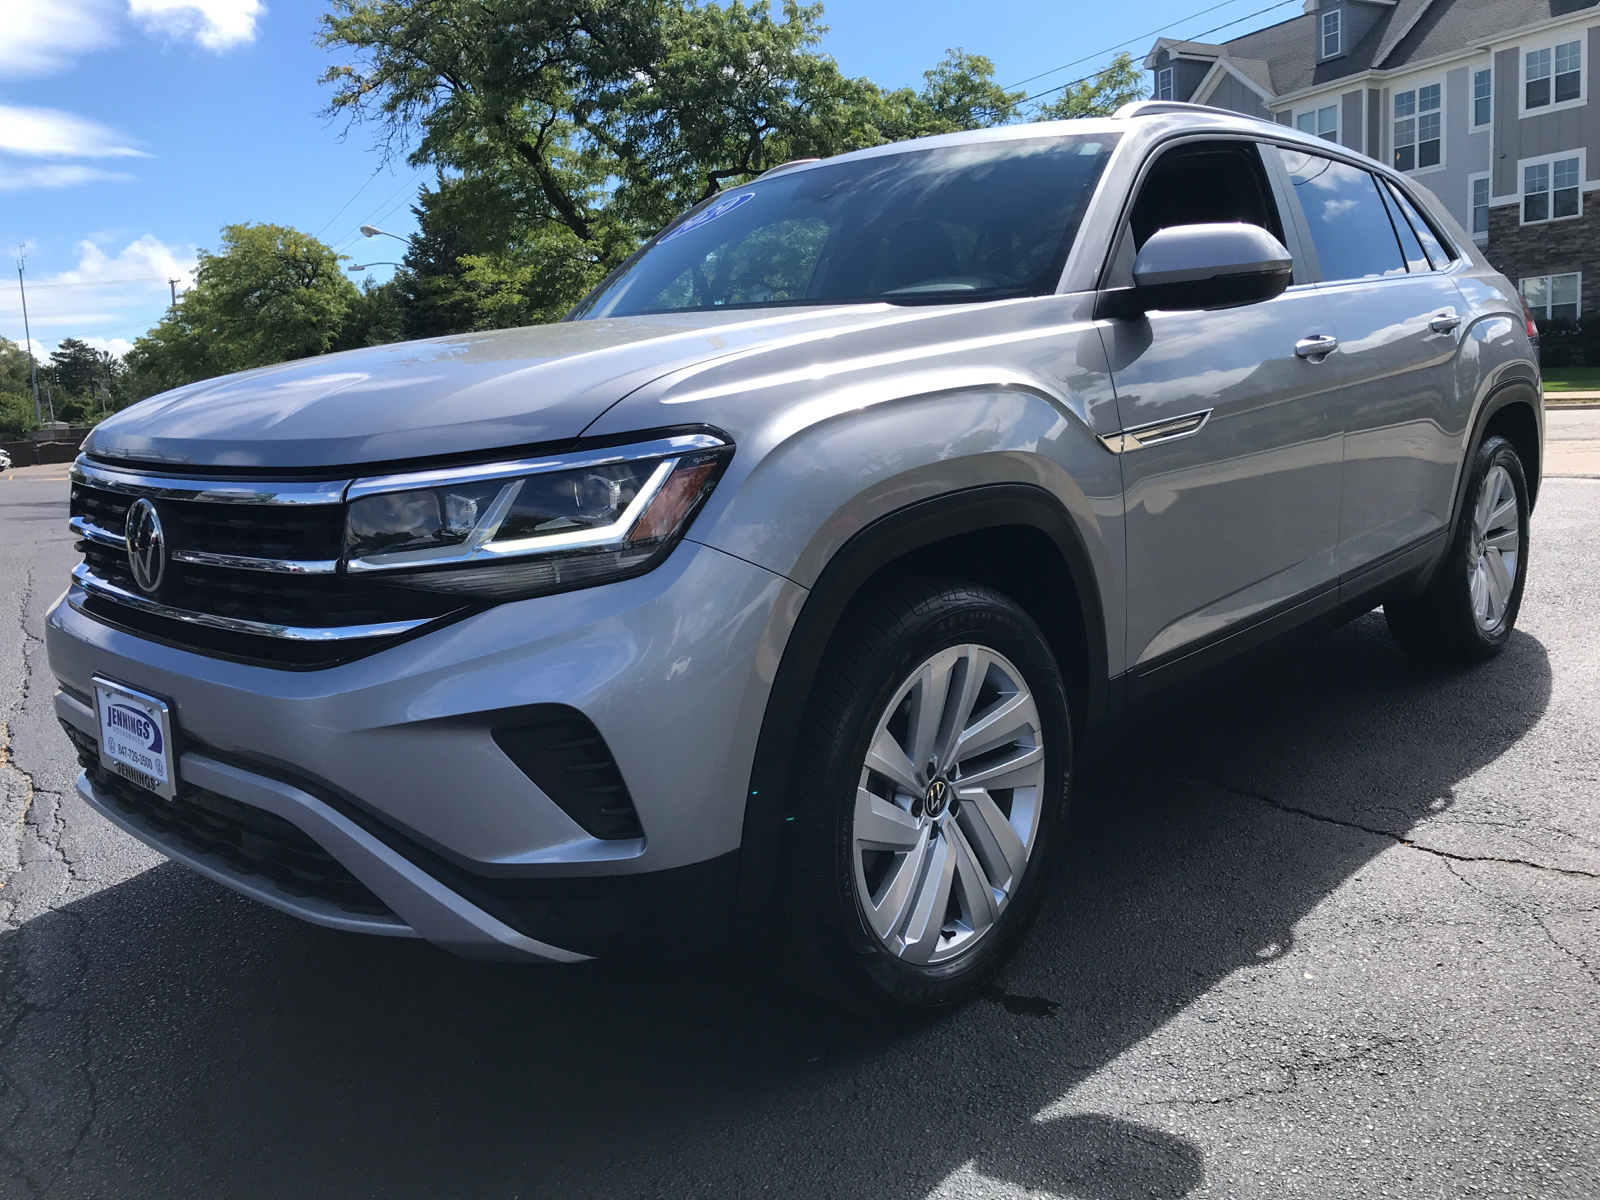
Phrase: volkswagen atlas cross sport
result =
(769, 598)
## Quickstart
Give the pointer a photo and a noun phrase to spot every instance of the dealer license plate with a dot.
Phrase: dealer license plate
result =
(136, 737)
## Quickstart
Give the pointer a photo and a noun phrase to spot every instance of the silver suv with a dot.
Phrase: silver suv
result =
(770, 598)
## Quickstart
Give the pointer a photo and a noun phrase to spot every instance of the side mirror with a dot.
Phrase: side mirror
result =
(1210, 266)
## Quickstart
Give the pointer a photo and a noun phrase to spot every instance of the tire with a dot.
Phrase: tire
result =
(867, 855)
(1470, 607)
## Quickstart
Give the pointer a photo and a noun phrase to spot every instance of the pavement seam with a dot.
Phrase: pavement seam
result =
(1270, 802)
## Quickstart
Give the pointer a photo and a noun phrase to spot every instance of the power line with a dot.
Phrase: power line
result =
(1120, 45)
(102, 282)
(1204, 33)
(348, 202)
(351, 236)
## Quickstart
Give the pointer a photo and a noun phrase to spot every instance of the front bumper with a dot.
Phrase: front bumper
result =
(387, 762)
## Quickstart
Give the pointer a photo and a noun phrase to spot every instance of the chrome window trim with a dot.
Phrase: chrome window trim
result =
(481, 548)
(447, 476)
(94, 533)
(282, 566)
(86, 582)
(211, 491)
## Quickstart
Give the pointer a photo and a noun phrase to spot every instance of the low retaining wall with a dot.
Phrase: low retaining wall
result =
(32, 454)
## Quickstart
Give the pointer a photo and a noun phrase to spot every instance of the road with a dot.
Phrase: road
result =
(1333, 931)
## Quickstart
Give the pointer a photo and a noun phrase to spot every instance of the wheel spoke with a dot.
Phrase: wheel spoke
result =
(927, 714)
(887, 758)
(883, 825)
(1001, 774)
(974, 667)
(887, 911)
(993, 840)
(1504, 576)
(1479, 588)
(1509, 540)
(1498, 592)
(976, 890)
(1504, 515)
(999, 725)
(926, 920)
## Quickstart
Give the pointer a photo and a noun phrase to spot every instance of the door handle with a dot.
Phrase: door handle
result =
(1444, 322)
(1316, 347)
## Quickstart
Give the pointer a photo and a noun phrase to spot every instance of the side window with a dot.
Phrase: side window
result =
(1438, 253)
(1410, 246)
(1203, 182)
(1349, 223)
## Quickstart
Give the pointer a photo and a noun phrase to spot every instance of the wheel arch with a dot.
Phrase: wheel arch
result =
(978, 534)
(1512, 410)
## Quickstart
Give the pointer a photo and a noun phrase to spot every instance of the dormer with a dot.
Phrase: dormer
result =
(1339, 25)
(1178, 67)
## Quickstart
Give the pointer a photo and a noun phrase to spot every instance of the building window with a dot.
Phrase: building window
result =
(1321, 122)
(1552, 75)
(1417, 141)
(1550, 189)
(1330, 33)
(1554, 297)
(1164, 84)
(1482, 98)
(1480, 206)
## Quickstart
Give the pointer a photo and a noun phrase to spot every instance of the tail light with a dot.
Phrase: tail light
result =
(1533, 326)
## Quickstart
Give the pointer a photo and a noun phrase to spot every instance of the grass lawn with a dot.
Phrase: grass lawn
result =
(1572, 379)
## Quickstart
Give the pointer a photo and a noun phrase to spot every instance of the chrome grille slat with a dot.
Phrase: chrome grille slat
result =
(244, 565)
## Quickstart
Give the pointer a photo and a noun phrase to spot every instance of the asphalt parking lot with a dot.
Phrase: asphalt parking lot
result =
(1333, 931)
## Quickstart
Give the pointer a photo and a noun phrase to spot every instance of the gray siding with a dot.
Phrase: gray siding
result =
(1350, 120)
(1545, 133)
(1284, 118)
(1186, 75)
(1234, 96)
(1374, 146)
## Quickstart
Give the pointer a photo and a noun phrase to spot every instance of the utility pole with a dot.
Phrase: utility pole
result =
(27, 335)
(172, 286)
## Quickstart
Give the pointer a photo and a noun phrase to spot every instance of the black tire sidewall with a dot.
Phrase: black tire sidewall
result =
(933, 616)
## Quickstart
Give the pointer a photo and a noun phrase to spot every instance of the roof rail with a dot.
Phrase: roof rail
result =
(1148, 108)
(793, 162)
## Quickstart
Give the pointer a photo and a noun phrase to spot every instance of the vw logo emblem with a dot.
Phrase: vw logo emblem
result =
(147, 546)
(937, 798)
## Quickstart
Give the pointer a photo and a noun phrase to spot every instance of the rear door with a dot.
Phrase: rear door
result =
(1231, 440)
(1399, 321)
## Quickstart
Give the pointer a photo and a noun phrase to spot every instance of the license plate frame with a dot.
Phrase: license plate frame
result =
(136, 737)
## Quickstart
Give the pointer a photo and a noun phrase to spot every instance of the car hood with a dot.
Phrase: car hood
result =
(452, 395)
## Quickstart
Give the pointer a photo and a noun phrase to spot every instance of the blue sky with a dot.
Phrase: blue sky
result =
(132, 130)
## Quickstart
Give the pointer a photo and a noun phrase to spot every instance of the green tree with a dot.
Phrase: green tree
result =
(1098, 96)
(16, 393)
(271, 294)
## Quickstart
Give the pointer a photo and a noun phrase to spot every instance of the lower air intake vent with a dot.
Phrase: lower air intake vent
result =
(563, 753)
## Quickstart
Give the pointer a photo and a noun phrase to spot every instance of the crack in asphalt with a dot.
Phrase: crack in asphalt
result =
(1398, 839)
(36, 838)
(1503, 902)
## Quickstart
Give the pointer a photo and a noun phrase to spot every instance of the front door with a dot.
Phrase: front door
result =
(1232, 440)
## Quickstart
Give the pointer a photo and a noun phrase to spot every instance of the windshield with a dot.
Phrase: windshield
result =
(978, 221)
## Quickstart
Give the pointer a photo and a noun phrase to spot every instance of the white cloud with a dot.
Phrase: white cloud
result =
(15, 178)
(108, 299)
(117, 346)
(41, 37)
(215, 24)
(55, 133)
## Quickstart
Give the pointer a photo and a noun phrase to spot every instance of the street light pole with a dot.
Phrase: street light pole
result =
(27, 335)
(374, 231)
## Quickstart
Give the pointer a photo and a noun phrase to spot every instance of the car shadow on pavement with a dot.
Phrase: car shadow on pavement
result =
(183, 1041)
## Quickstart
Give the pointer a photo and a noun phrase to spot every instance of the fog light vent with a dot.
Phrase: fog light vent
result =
(564, 754)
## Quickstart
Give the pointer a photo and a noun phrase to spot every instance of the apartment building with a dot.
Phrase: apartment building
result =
(1485, 102)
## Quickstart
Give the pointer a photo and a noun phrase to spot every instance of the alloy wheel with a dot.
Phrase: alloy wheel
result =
(947, 805)
(1496, 544)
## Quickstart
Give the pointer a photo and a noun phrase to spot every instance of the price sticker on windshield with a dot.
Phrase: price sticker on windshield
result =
(136, 737)
(707, 215)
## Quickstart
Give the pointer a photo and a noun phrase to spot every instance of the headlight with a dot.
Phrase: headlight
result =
(508, 530)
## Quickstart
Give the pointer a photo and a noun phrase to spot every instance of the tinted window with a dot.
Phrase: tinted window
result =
(1410, 247)
(1435, 249)
(1209, 181)
(1349, 224)
(978, 221)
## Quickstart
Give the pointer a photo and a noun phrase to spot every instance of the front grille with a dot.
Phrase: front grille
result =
(249, 840)
(279, 617)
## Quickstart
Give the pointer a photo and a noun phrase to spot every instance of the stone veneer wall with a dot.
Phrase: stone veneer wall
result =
(1552, 248)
